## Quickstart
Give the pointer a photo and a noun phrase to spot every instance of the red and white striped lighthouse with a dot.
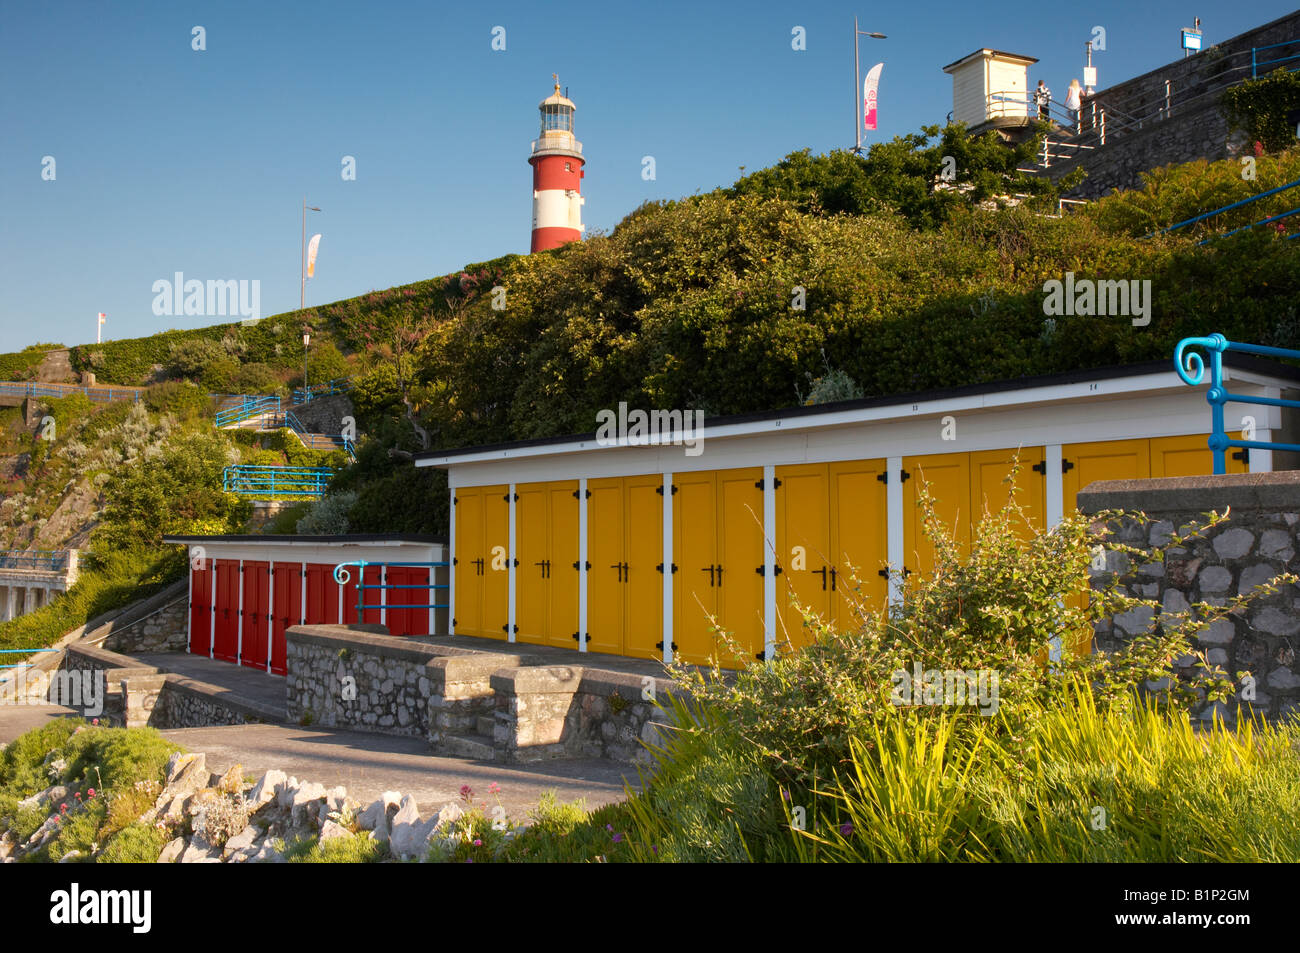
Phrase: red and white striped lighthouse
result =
(557, 175)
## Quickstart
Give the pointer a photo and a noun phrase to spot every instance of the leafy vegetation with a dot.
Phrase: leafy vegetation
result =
(1265, 108)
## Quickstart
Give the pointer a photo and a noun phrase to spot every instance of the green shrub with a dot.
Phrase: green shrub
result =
(220, 375)
(1145, 786)
(190, 357)
(1260, 108)
(358, 848)
(136, 844)
(325, 362)
(1002, 609)
(257, 379)
(116, 758)
(22, 763)
(180, 398)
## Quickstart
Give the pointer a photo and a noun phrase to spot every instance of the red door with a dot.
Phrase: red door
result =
(322, 606)
(403, 621)
(201, 609)
(287, 603)
(368, 597)
(225, 637)
(257, 592)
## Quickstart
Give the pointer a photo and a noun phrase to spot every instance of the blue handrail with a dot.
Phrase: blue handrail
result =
(342, 576)
(339, 385)
(249, 406)
(249, 480)
(45, 560)
(1227, 208)
(101, 395)
(1191, 368)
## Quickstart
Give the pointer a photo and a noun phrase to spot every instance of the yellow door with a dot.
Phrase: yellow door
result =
(470, 563)
(859, 540)
(532, 552)
(948, 476)
(562, 564)
(605, 595)
(803, 551)
(1191, 456)
(695, 540)
(740, 553)
(642, 577)
(989, 470)
(496, 555)
(1085, 463)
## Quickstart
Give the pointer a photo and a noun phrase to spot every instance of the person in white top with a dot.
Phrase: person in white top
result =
(1073, 101)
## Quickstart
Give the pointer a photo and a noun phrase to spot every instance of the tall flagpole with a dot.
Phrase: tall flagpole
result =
(857, 87)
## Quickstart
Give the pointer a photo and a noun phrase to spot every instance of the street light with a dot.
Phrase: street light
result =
(857, 82)
(302, 297)
(306, 339)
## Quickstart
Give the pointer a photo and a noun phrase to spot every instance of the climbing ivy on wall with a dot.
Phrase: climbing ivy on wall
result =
(1265, 109)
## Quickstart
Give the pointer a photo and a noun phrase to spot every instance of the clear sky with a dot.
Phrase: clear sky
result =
(168, 159)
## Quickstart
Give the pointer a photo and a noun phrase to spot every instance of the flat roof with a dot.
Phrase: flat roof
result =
(281, 540)
(985, 49)
(1242, 362)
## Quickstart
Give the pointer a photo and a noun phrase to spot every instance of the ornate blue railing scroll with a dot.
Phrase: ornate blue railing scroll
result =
(1191, 368)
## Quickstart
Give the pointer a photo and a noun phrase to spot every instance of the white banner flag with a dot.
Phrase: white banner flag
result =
(311, 254)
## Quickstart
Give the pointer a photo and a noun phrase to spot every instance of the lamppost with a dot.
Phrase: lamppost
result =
(306, 339)
(302, 297)
(857, 82)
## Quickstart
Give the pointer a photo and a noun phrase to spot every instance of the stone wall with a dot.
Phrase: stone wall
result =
(324, 414)
(134, 695)
(1260, 540)
(497, 705)
(360, 677)
(162, 630)
(1196, 129)
(548, 712)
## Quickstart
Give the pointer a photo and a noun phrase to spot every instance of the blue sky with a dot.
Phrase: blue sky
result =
(169, 159)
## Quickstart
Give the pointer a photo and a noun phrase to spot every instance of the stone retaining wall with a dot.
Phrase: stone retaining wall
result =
(1260, 539)
(164, 630)
(360, 677)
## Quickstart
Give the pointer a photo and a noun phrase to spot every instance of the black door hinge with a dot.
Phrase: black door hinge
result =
(883, 477)
(1040, 468)
(660, 646)
(660, 490)
(904, 476)
(762, 570)
(761, 656)
(1242, 455)
(455, 561)
(1066, 466)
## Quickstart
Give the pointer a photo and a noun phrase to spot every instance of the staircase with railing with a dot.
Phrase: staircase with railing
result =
(1105, 118)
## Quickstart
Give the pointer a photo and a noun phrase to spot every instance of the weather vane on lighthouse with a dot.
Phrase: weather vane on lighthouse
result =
(557, 175)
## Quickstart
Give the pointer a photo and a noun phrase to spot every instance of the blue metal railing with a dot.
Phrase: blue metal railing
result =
(1256, 62)
(342, 576)
(55, 560)
(339, 385)
(1227, 208)
(22, 652)
(100, 395)
(250, 406)
(1191, 368)
(249, 480)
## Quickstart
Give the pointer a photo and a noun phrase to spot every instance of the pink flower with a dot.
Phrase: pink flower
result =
(478, 842)
(94, 721)
(91, 792)
(466, 792)
(63, 808)
(493, 788)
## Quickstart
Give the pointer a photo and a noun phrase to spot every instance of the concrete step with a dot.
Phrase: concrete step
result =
(486, 725)
(476, 747)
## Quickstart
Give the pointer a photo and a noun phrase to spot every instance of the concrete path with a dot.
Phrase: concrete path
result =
(367, 764)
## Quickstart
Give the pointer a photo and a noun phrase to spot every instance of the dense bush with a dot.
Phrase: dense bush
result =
(1261, 108)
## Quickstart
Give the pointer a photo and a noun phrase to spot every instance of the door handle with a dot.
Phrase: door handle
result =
(709, 570)
(719, 576)
(619, 567)
(832, 579)
(542, 564)
(820, 572)
(626, 568)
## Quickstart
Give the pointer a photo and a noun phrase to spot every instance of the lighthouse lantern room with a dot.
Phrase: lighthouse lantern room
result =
(557, 175)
